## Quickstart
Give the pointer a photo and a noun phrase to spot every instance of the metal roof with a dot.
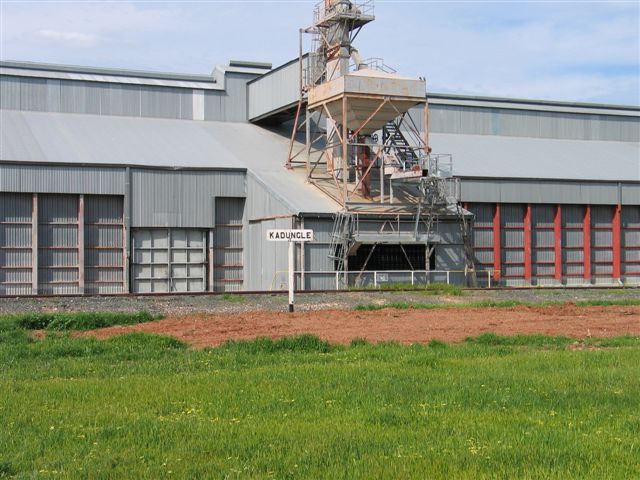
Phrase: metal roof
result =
(90, 139)
(215, 81)
(111, 140)
(531, 104)
(541, 158)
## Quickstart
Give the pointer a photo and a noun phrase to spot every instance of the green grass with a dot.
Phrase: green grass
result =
(143, 406)
(428, 289)
(496, 304)
(228, 297)
(73, 320)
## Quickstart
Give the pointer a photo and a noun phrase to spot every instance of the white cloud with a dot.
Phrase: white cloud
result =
(71, 39)
(565, 50)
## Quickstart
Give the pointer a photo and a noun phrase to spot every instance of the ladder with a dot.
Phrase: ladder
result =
(341, 238)
(467, 240)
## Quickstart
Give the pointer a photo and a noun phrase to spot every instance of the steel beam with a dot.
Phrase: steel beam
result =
(81, 282)
(527, 243)
(496, 242)
(34, 244)
(211, 260)
(557, 243)
(586, 242)
(616, 242)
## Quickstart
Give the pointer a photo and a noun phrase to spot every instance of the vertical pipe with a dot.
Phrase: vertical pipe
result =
(345, 155)
(307, 139)
(586, 242)
(302, 258)
(381, 178)
(81, 243)
(291, 275)
(168, 259)
(557, 243)
(616, 241)
(127, 231)
(496, 243)
(211, 260)
(527, 243)
(34, 244)
(426, 127)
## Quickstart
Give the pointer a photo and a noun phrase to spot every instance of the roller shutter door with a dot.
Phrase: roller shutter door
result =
(169, 260)
(15, 244)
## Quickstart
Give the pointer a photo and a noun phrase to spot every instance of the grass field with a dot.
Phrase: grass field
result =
(141, 406)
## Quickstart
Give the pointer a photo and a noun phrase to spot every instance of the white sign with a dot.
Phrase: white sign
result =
(290, 235)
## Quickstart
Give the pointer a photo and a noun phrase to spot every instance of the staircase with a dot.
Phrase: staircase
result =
(397, 142)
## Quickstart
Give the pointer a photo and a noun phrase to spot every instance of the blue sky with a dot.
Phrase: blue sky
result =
(573, 51)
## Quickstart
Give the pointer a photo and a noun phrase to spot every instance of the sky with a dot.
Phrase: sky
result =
(568, 51)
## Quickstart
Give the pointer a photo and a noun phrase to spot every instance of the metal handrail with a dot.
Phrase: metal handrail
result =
(361, 8)
(490, 276)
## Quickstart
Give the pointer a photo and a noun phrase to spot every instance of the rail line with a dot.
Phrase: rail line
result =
(309, 292)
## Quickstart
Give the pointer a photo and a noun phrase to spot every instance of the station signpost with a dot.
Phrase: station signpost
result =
(292, 236)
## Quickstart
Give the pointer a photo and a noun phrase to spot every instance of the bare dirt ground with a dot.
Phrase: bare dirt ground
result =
(405, 326)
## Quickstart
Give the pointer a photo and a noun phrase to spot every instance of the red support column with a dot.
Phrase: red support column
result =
(616, 225)
(557, 246)
(586, 242)
(527, 243)
(496, 242)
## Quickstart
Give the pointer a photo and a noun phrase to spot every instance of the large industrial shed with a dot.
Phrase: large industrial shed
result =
(116, 181)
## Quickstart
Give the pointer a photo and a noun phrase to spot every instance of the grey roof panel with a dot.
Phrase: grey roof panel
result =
(91, 139)
(74, 138)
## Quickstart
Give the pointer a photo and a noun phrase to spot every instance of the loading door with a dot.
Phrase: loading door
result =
(169, 260)
(228, 245)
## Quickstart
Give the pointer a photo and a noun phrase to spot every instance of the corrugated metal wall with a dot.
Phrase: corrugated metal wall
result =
(316, 255)
(266, 263)
(573, 243)
(542, 191)
(512, 242)
(134, 100)
(58, 245)
(528, 123)
(169, 260)
(543, 257)
(62, 178)
(483, 234)
(77, 96)
(601, 243)
(104, 238)
(568, 244)
(275, 90)
(183, 198)
(230, 105)
(630, 239)
(228, 244)
(15, 244)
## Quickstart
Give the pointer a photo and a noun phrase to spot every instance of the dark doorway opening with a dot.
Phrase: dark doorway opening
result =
(390, 257)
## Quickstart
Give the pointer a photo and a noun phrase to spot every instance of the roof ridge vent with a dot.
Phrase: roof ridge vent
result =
(249, 64)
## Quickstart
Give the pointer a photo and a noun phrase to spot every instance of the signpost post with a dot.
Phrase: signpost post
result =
(292, 236)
